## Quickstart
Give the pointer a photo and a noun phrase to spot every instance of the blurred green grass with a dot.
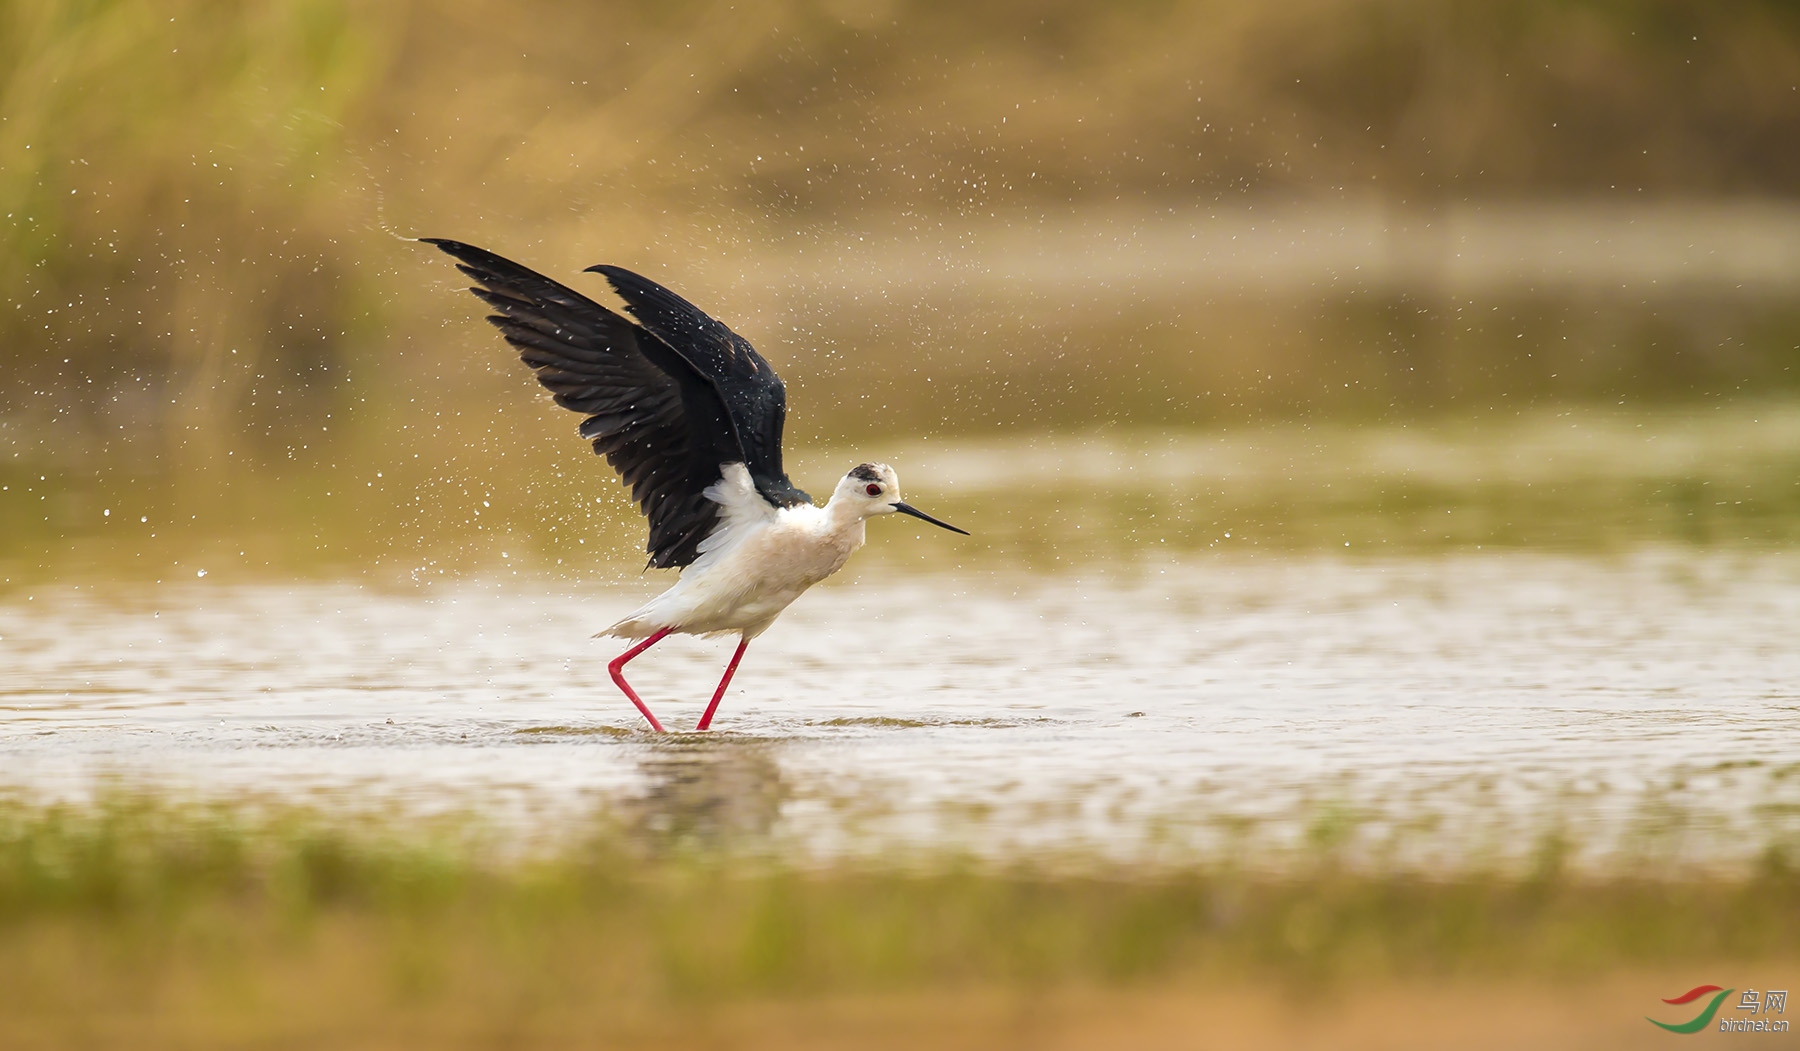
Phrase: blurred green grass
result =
(140, 887)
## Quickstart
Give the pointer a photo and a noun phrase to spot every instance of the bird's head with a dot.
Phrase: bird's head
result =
(874, 489)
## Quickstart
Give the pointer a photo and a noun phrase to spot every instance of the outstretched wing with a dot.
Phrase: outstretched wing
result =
(660, 423)
(754, 397)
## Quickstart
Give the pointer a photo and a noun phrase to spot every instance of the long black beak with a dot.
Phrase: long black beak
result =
(908, 509)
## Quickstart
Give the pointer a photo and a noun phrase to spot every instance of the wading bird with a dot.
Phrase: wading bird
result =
(690, 416)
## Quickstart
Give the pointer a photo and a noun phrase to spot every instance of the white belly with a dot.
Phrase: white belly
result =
(744, 590)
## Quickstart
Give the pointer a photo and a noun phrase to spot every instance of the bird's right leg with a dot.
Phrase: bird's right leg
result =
(719, 694)
(617, 667)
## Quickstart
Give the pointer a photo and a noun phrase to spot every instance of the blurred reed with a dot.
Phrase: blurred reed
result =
(200, 201)
(151, 907)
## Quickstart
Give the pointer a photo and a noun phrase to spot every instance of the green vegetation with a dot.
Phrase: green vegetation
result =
(610, 913)
(199, 203)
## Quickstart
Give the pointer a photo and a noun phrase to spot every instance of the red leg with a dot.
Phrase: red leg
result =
(617, 667)
(719, 694)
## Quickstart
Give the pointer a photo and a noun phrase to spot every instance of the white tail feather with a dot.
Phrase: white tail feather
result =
(742, 511)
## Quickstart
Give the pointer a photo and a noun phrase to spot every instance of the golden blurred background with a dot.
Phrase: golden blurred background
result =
(1106, 281)
(939, 220)
(930, 215)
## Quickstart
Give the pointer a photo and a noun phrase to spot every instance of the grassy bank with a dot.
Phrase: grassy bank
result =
(213, 925)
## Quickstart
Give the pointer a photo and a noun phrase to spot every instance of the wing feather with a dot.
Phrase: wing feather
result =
(660, 423)
(754, 397)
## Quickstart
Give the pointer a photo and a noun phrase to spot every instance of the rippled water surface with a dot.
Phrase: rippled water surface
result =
(1448, 709)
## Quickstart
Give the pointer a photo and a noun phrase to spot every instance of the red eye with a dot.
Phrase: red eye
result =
(873, 490)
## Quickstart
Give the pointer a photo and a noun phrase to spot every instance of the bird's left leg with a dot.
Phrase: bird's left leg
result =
(719, 694)
(617, 667)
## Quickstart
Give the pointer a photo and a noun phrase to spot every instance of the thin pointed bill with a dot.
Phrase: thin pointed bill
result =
(908, 509)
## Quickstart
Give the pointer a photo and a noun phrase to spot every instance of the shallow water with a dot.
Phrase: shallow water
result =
(1435, 711)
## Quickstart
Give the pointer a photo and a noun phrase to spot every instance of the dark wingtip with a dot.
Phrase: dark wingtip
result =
(629, 282)
(467, 253)
(617, 276)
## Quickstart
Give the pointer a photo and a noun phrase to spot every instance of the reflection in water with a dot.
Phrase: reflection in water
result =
(706, 791)
(1427, 712)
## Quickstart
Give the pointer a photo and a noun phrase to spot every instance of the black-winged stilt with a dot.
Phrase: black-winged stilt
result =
(690, 416)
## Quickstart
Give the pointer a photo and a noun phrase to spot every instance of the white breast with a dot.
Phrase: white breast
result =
(748, 586)
(755, 563)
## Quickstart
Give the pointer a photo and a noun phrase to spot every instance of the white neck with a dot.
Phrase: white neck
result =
(844, 520)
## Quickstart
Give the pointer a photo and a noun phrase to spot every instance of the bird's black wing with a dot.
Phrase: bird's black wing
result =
(660, 423)
(754, 397)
